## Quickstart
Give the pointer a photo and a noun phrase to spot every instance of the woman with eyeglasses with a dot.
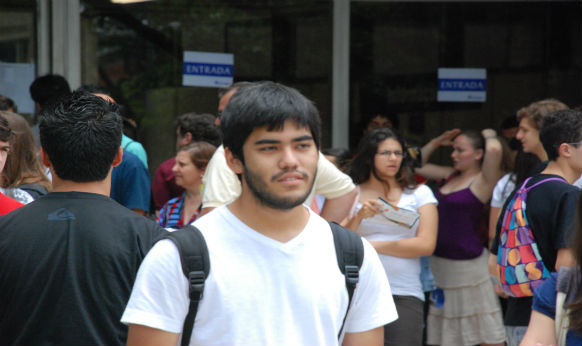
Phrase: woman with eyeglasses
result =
(470, 313)
(382, 169)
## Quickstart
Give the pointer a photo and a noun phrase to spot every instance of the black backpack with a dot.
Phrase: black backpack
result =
(196, 265)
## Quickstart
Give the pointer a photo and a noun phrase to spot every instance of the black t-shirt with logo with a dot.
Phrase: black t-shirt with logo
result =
(67, 265)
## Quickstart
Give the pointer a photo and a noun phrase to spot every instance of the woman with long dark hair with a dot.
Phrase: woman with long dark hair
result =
(381, 169)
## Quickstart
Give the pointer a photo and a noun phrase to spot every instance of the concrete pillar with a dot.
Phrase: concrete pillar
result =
(341, 74)
(66, 40)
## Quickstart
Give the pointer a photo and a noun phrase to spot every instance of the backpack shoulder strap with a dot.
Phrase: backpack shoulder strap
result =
(349, 251)
(563, 288)
(130, 142)
(541, 182)
(196, 267)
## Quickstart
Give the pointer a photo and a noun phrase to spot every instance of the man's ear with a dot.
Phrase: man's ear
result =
(118, 157)
(187, 139)
(565, 150)
(233, 163)
(46, 161)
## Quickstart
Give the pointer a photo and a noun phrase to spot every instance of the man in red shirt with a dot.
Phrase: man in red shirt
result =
(7, 204)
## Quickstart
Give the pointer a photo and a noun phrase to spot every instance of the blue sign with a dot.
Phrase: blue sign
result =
(462, 85)
(202, 69)
(208, 69)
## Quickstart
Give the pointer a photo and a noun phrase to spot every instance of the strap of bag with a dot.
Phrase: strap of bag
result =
(561, 319)
(541, 182)
(131, 141)
(196, 267)
(564, 286)
(349, 250)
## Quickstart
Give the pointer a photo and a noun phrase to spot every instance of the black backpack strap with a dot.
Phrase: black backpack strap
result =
(349, 250)
(196, 266)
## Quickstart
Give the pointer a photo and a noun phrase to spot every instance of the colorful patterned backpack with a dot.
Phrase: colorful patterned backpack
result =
(519, 264)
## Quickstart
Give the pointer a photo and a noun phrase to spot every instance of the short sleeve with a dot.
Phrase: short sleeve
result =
(424, 196)
(159, 298)
(501, 191)
(130, 184)
(330, 181)
(372, 305)
(221, 185)
(138, 150)
(565, 219)
(544, 300)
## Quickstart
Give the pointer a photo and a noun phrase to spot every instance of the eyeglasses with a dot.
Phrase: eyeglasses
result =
(576, 144)
(387, 153)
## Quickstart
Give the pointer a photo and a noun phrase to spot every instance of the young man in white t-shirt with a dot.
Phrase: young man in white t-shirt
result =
(274, 277)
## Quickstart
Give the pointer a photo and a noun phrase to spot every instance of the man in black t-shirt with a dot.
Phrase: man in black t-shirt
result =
(69, 259)
(550, 208)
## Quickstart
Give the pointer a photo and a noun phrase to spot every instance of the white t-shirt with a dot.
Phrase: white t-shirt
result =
(502, 191)
(403, 273)
(261, 291)
(221, 185)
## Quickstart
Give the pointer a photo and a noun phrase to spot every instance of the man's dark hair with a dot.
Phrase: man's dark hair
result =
(200, 126)
(49, 89)
(509, 123)
(93, 89)
(265, 104)
(223, 90)
(341, 155)
(563, 126)
(81, 135)
(5, 131)
(7, 104)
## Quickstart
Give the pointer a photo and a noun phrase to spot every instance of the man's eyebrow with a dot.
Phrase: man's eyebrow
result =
(267, 141)
(303, 138)
(275, 141)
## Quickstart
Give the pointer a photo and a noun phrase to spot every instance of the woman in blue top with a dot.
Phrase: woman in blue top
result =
(191, 161)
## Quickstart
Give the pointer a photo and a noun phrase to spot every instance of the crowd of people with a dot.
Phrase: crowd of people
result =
(438, 255)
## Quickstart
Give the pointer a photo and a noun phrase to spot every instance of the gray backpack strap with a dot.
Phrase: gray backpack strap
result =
(196, 267)
(349, 251)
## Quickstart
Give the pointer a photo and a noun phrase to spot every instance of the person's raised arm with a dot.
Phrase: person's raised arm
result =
(421, 245)
(491, 168)
(140, 335)
(432, 171)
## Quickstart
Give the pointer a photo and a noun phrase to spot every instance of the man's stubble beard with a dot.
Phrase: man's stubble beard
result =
(260, 190)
